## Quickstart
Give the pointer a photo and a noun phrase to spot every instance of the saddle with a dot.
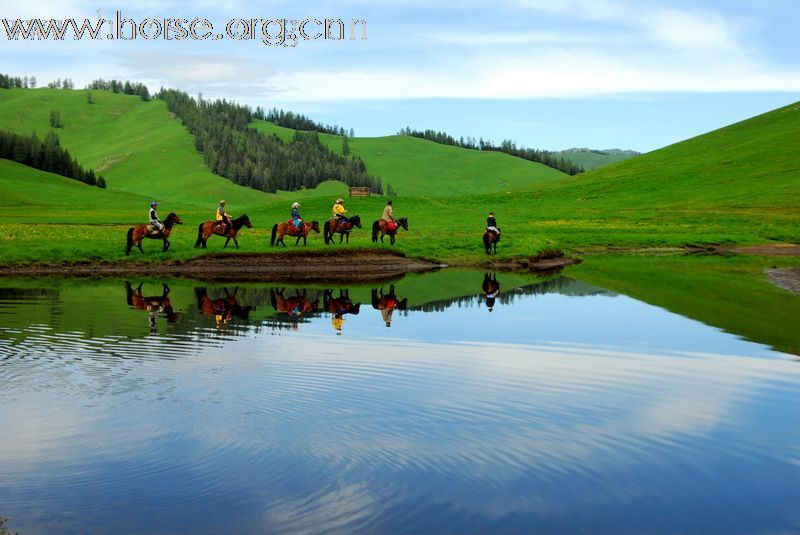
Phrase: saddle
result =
(151, 231)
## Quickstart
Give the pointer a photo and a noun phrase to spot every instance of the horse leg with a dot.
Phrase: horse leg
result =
(139, 245)
(236, 242)
(166, 245)
(226, 242)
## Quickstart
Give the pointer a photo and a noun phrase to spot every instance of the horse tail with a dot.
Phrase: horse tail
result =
(327, 232)
(129, 245)
(199, 235)
(274, 233)
(487, 242)
(375, 228)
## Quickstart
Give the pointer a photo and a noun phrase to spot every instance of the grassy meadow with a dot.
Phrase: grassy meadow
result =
(738, 185)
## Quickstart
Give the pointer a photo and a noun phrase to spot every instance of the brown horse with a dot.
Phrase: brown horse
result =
(287, 227)
(294, 306)
(209, 228)
(382, 226)
(139, 232)
(387, 303)
(336, 225)
(490, 289)
(340, 305)
(490, 240)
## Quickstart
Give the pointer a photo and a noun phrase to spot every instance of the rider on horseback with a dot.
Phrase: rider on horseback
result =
(156, 223)
(339, 211)
(297, 221)
(388, 216)
(222, 218)
(491, 225)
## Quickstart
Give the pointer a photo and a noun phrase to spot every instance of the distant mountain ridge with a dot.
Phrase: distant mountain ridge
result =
(596, 158)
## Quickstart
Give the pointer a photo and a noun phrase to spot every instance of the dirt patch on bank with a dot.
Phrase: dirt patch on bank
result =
(786, 278)
(335, 266)
(769, 249)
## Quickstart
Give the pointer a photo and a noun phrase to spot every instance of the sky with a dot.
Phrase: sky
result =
(549, 74)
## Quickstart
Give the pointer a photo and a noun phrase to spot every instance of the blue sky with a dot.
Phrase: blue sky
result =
(547, 73)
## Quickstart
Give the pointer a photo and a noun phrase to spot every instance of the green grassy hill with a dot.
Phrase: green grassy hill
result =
(419, 167)
(740, 184)
(138, 146)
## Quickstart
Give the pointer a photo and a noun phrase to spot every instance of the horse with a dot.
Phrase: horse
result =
(382, 226)
(285, 227)
(340, 305)
(337, 225)
(387, 303)
(209, 228)
(490, 289)
(139, 232)
(155, 304)
(294, 306)
(490, 240)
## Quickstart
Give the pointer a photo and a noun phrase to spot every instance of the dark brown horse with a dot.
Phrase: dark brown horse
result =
(336, 225)
(387, 303)
(490, 240)
(287, 227)
(294, 306)
(209, 228)
(381, 226)
(340, 305)
(490, 289)
(139, 232)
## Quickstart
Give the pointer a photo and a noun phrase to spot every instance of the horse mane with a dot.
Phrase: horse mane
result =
(239, 221)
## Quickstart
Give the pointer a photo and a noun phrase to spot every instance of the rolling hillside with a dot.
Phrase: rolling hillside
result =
(737, 185)
(419, 167)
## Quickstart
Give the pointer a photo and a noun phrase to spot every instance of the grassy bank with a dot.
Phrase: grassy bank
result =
(738, 185)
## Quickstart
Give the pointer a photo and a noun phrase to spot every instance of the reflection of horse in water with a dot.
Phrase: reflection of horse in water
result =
(154, 304)
(223, 309)
(294, 306)
(490, 289)
(340, 305)
(387, 303)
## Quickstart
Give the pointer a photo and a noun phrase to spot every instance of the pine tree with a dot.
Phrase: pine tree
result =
(345, 146)
(55, 119)
(89, 99)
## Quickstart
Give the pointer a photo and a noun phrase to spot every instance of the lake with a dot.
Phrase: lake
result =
(558, 406)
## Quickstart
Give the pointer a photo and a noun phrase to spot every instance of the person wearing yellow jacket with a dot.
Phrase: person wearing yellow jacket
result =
(222, 218)
(339, 211)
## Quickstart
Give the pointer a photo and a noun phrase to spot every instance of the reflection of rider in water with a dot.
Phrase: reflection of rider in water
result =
(490, 298)
(152, 312)
(387, 316)
(490, 289)
(337, 321)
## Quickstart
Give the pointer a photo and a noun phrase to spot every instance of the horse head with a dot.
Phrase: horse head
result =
(172, 219)
(242, 221)
(356, 221)
(403, 222)
(315, 226)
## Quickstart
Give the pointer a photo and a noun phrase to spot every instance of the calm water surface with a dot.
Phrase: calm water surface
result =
(566, 408)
